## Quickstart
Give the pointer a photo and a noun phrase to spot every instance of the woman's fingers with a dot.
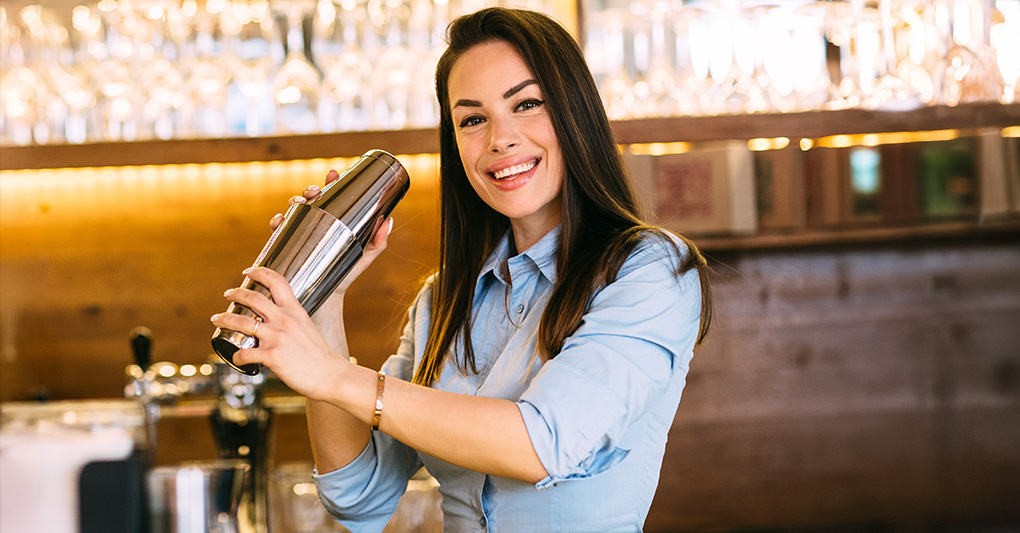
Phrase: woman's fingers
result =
(372, 251)
(256, 301)
(381, 238)
(310, 193)
(254, 326)
(279, 289)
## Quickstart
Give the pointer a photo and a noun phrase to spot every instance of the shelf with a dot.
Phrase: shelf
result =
(231, 150)
(812, 124)
(1006, 228)
(815, 124)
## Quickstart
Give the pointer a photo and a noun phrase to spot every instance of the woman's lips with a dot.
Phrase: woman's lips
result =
(514, 171)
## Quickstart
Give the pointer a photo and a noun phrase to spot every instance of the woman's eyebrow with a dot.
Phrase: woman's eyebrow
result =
(517, 88)
(510, 92)
(467, 103)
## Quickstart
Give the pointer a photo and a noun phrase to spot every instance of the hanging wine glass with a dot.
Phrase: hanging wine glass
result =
(161, 30)
(970, 73)
(7, 40)
(206, 72)
(639, 38)
(655, 89)
(806, 28)
(391, 79)
(690, 81)
(863, 62)
(751, 52)
(115, 68)
(839, 25)
(1005, 39)
(22, 89)
(39, 42)
(914, 46)
(72, 77)
(253, 49)
(615, 87)
(712, 55)
(891, 92)
(336, 46)
(425, 17)
(297, 84)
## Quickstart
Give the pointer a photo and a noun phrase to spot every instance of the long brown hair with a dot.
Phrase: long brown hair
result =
(600, 226)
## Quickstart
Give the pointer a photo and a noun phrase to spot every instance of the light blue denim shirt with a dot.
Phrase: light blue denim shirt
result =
(597, 414)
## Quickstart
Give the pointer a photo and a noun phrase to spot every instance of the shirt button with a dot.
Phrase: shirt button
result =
(520, 309)
(481, 521)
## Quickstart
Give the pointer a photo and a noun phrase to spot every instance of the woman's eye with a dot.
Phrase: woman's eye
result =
(529, 104)
(470, 121)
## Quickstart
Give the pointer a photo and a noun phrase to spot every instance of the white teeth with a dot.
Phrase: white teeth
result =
(507, 173)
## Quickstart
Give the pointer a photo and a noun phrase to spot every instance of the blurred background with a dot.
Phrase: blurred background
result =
(851, 168)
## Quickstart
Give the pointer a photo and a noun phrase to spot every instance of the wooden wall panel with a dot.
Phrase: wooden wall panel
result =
(85, 259)
(862, 387)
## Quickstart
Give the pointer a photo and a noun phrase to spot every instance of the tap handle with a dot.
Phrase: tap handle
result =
(141, 346)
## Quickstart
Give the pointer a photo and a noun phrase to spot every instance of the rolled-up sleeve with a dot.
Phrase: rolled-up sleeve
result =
(364, 494)
(635, 340)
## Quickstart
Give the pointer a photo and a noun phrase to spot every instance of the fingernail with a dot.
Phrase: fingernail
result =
(214, 317)
(227, 292)
(247, 270)
(390, 229)
(312, 188)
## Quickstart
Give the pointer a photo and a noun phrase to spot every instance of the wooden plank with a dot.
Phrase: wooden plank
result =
(814, 124)
(313, 146)
(998, 229)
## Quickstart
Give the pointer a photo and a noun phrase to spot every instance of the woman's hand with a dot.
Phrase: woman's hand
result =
(289, 342)
(371, 251)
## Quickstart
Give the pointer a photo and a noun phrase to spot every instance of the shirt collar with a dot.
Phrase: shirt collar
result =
(542, 253)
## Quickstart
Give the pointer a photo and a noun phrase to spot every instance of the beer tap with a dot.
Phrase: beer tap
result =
(242, 426)
(235, 405)
(143, 381)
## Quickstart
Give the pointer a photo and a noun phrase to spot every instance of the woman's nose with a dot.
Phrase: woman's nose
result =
(503, 135)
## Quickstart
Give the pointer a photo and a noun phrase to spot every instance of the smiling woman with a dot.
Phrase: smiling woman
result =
(542, 363)
(506, 139)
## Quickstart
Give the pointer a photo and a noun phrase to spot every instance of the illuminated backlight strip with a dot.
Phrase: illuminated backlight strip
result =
(659, 148)
(866, 139)
(761, 144)
(74, 194)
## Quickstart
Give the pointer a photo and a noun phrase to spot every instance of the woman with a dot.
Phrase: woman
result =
(541, 366)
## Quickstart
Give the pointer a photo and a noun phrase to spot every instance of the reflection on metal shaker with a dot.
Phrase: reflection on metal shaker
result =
(319, 242)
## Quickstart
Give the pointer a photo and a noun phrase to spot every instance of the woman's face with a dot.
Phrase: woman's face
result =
(506, 138)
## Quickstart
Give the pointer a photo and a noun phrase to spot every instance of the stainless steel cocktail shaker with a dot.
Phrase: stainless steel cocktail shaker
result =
(318, 242)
